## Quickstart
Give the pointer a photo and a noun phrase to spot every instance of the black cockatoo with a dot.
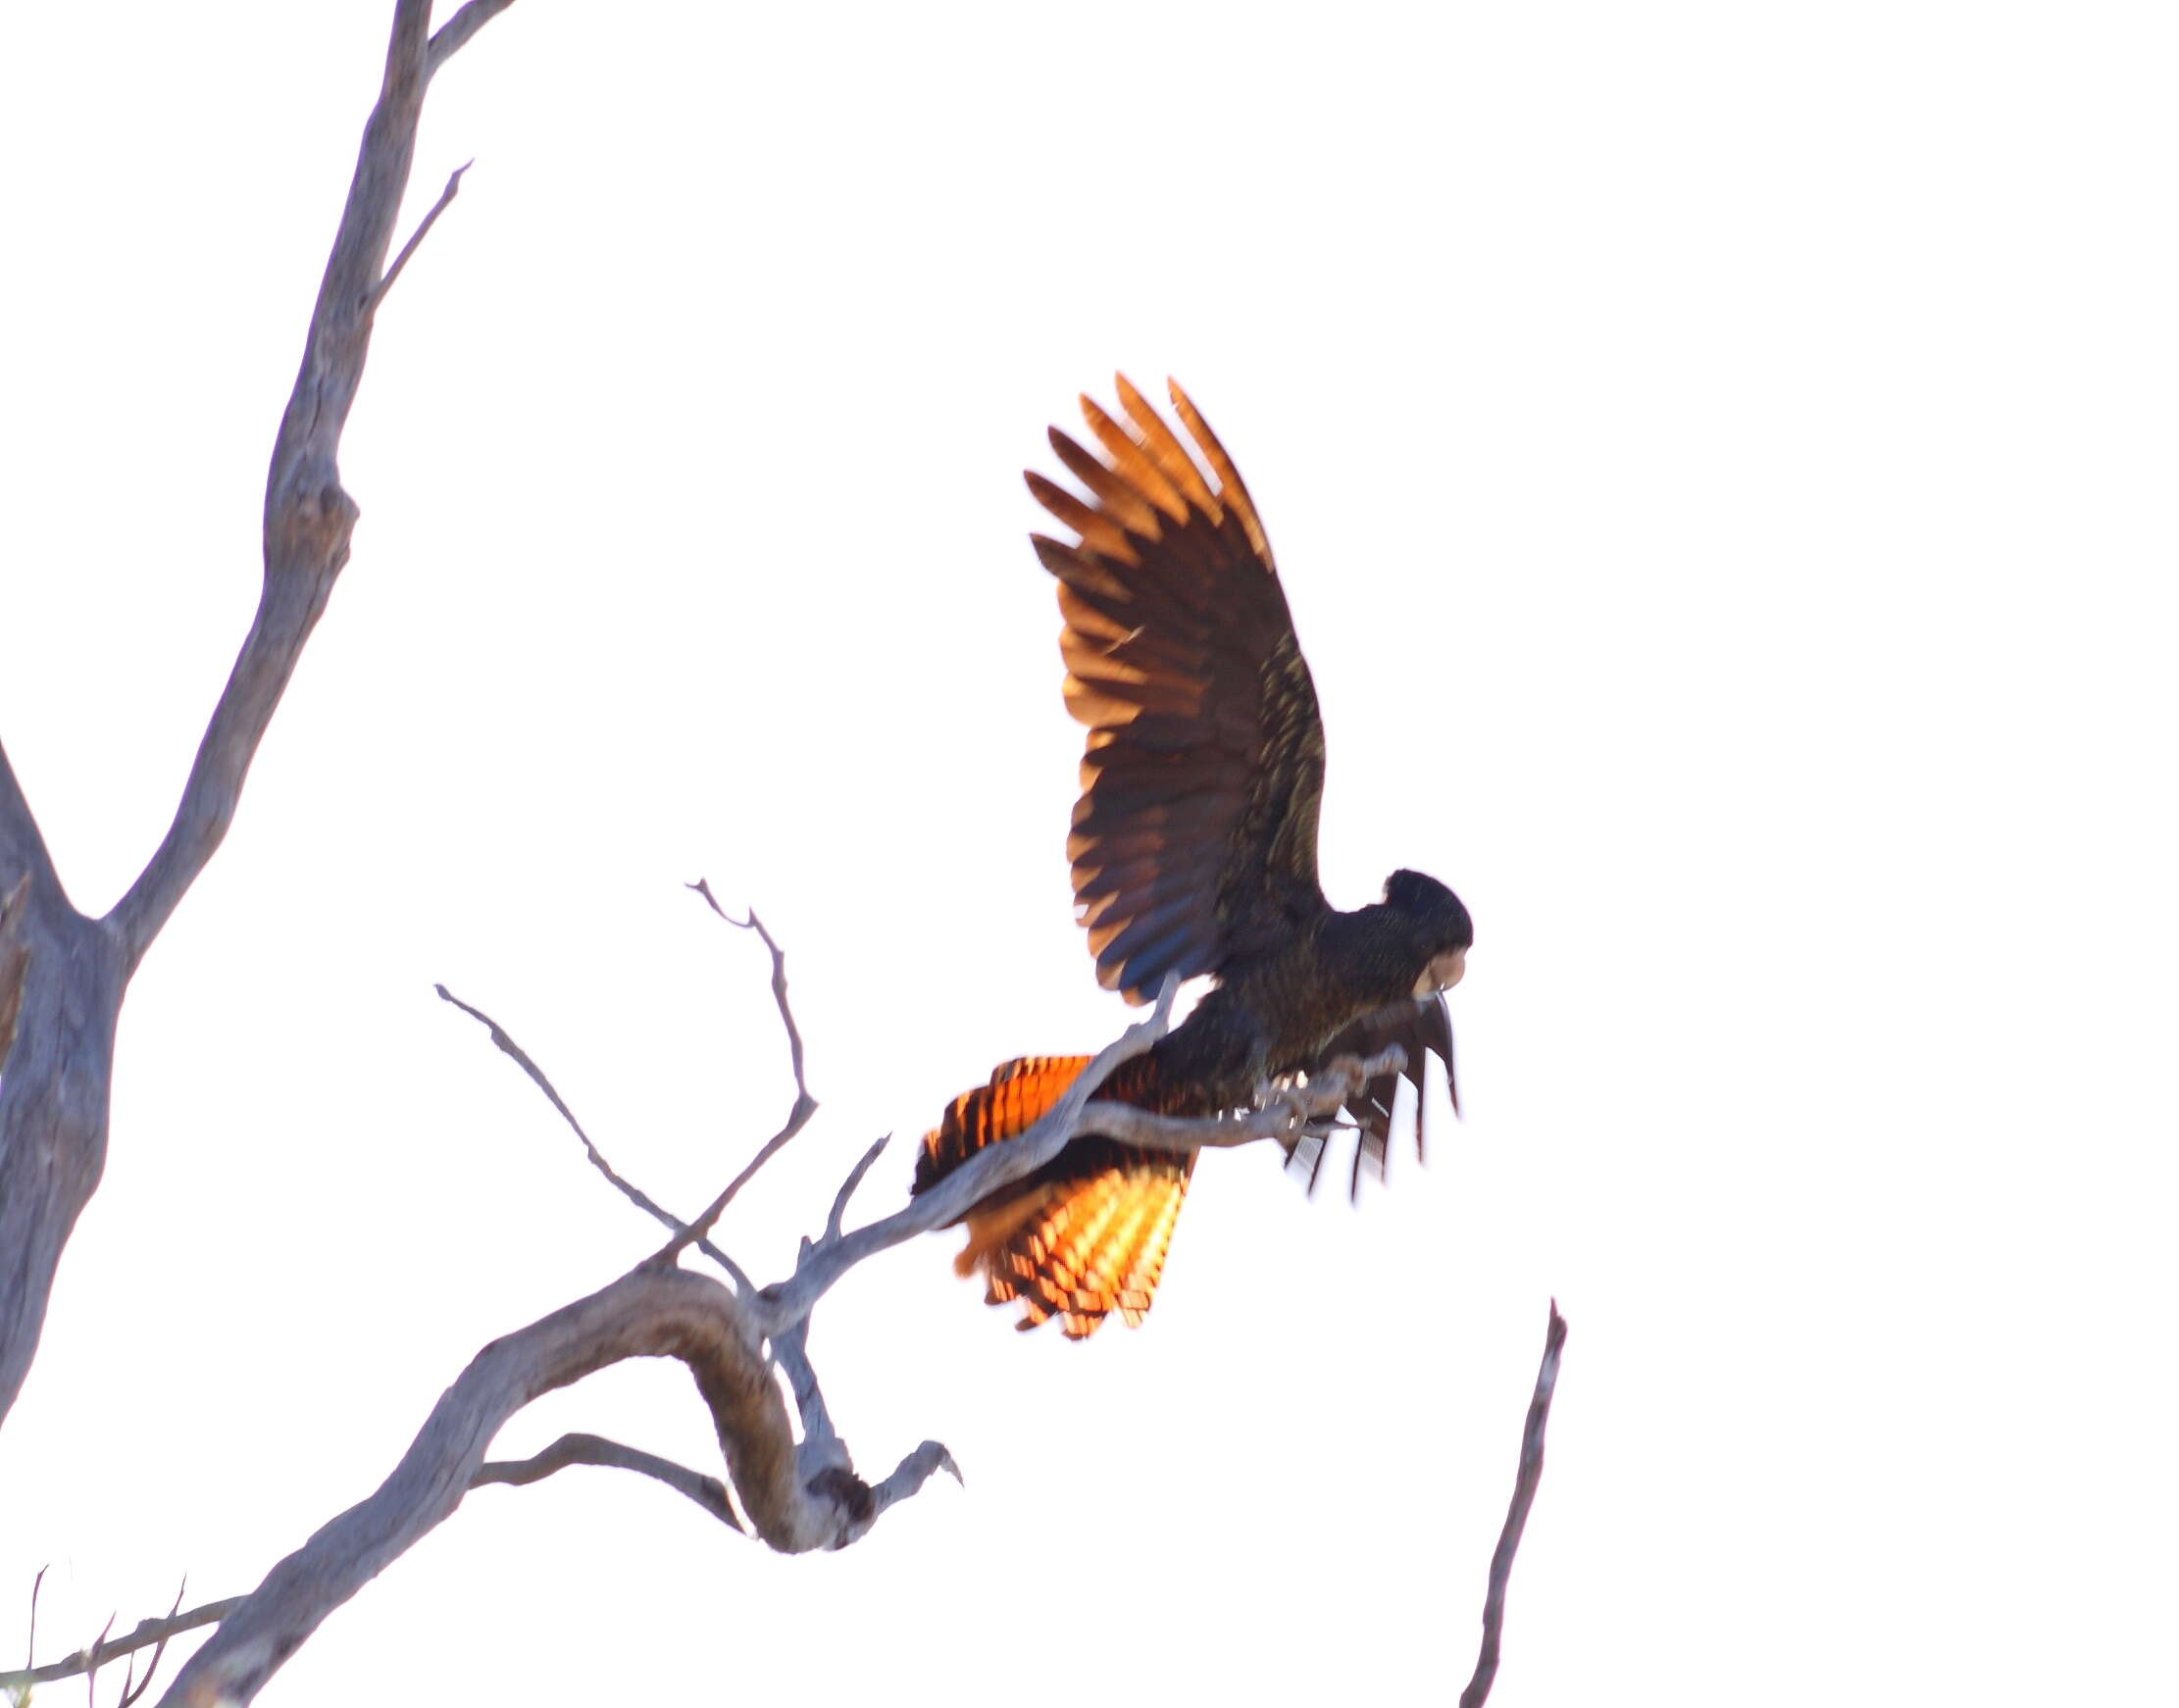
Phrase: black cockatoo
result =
(1193, 848)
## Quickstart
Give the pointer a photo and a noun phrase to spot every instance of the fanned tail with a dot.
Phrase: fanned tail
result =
(1083, 1238)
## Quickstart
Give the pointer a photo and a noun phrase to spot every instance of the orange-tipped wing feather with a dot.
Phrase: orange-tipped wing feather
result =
(1195, 839)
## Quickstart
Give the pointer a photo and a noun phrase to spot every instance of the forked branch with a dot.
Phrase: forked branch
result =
(308, 517)
(55, 1094)
(647, 1313)
(797, 1117)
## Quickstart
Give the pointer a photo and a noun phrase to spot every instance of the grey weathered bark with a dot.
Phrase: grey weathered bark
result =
(71, 971)
(649, 1313)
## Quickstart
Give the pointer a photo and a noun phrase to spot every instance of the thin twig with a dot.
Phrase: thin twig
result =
(423, 231)
(707, 1493)
(30, 1655)
(99, 1657)
(628, 1189)
(702, 886)
(507, 1045)
(848, 1185)
(1516, 1518)
(132, 1688)
(797, 1117)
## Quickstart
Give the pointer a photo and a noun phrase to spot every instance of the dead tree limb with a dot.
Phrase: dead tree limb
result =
(795, 1495)
(57, 1069)
(647, 1313)
(1525, 1483)
(708, 1492)
(309, 518)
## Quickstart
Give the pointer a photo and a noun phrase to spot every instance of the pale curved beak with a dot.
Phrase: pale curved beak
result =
(1444, 972)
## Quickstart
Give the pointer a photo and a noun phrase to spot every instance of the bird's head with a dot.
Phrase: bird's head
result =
(1441, 924)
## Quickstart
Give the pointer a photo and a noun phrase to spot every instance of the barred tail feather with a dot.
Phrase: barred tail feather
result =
(1020, 1092)
(1083, 1239)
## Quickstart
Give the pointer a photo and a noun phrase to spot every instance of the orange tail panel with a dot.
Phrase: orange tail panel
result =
(1020, 1092)
(1084, 1237)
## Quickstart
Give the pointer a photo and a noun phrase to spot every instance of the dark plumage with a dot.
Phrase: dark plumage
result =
(1194, 849)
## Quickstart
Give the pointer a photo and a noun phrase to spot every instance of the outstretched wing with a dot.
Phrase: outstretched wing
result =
(1422, 1027)
(1195, 839)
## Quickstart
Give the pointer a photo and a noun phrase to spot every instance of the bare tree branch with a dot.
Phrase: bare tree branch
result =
(148, 1635)
(309, 518)
(647, 1313)
(822, 1451)
(454, 35)
(707, 1493)
(628, 1189)
(132, 1688)
(822, 1448)
(796, 1495)
(909, 1477)
(506, 1044)
(37, 1584)
(1525, 1484)
(423, 231)
(90, 1679)
(702, 886)
(847, 1186)
(797, 1117)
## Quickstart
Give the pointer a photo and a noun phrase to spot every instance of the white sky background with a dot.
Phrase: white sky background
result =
(1721, 463)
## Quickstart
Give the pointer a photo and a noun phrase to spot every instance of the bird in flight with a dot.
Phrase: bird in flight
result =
(1193, 848)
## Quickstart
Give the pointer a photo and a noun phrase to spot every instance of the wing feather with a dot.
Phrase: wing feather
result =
(1204, 764)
